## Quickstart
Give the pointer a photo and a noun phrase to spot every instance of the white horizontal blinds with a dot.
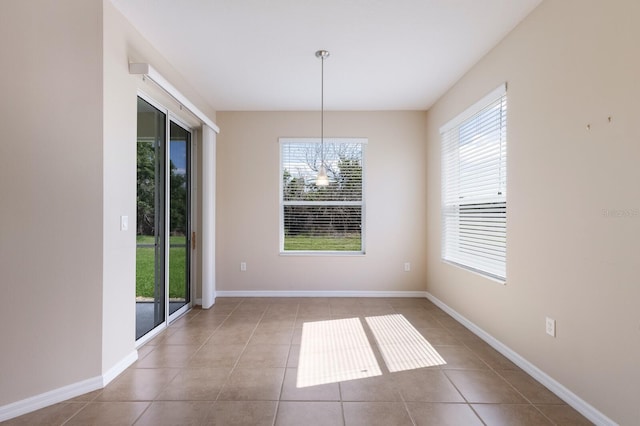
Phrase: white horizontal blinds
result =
(474, 213)
(343, 161)
(322, 218)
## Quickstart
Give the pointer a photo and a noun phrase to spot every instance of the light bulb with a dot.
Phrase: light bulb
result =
(322, 179)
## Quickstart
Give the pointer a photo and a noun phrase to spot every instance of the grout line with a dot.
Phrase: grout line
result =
(476, 413)
(286, 363)
(186, 365)
(524, 396)
(492, 369)
(76, 413)
(406, 407)
(444, 372)
(360, 312)
(143, 412)
(243, 348)
(207, 340)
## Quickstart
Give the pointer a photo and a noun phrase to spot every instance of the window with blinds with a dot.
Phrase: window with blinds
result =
(316, 218)
(474, 187)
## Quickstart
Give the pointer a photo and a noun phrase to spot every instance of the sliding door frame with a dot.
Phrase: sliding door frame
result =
(190, 255)
(170, 116)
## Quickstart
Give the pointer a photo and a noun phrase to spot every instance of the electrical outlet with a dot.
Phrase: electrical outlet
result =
(407, 266)
(243, 266)
(551, 327)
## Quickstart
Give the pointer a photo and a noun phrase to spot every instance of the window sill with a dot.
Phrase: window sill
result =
(476, 272)
(323, 253)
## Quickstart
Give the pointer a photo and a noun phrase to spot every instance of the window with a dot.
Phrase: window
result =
(313, 218)
(474, 196)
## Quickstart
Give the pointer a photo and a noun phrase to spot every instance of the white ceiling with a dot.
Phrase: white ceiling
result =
(257, 55)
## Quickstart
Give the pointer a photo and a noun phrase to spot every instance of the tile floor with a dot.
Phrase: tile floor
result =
(236, 364)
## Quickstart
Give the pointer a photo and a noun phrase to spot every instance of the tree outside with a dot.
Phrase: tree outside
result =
(146, 200)
(324, 218)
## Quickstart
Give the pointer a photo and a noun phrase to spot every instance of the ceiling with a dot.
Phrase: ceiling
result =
(259, 55)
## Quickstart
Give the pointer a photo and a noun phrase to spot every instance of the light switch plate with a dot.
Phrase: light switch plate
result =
(124, 223)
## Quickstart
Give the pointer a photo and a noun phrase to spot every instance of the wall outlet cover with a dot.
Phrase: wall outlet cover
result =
(551, 327)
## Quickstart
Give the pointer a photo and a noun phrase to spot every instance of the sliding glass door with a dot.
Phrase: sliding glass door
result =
(163, 218)
(179, 238)
(150, 218)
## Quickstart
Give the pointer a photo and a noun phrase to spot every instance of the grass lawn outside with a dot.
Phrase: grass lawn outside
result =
(145, 259)
(310, 243)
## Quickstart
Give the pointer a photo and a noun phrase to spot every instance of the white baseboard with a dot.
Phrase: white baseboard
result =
(562, 392)
(119, 368)
(73, 390)
(64, 393)
(198, 302)
(46, 399)
(412, 294)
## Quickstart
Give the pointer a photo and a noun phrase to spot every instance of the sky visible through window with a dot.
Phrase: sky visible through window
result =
(178, 155)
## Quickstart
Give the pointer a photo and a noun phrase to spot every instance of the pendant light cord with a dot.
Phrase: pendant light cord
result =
(322, 179)
(322, 112)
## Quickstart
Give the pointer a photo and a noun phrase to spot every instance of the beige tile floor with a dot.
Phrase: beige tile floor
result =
(236, 364)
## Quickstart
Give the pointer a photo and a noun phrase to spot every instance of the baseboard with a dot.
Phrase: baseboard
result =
(198, 302)
(64, 393)
(411, 294)
(562, 392)
(119, 368)
(46, 399)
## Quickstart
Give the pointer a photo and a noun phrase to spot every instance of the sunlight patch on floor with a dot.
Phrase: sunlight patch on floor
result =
(334, 351)
(401, 345)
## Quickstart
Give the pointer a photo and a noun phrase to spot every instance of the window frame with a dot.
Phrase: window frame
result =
(362, 204)
(479, 210)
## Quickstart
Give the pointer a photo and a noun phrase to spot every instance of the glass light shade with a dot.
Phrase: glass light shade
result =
(322, 179)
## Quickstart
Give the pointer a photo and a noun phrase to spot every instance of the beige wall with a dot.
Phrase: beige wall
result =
(67, 152)
(67, 167)
(122, 45)
(119, 186)
(568, 64)
(247, 203)
(50, 196)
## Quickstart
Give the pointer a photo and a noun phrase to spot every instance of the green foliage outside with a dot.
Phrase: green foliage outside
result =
(146, 194)
(322, 227)
(146, 159)
(145, 263)
(146, 222)
(348, 243)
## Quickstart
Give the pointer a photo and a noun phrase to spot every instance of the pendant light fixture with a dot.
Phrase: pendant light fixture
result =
(322, 179)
